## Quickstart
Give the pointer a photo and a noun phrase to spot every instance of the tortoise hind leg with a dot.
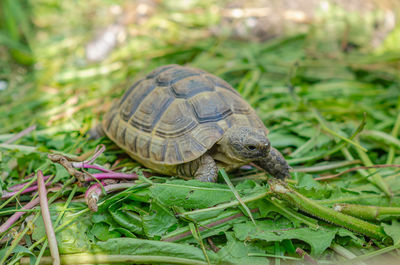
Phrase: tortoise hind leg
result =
(203, 168)
(96, 132)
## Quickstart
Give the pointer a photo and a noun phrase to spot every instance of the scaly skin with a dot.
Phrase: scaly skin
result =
(275, 164)
(203, 168)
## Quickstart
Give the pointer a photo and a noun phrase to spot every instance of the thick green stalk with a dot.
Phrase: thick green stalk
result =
(311, 207)
(365, 211)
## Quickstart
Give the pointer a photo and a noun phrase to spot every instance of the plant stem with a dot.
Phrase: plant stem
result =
(20, 134)
(329, 166)
(382, 137)
(325, 128)
(234, 191)
(24, 148)
(345, 253)
(375, 178)
(7, 224)
(85, 258)
(226, 205)
(94, 166)
(222, 219)
(44, 206)
(292, 213)
(17, 240)
(306, 257)
(27, 190)
(394, 133)
(371, 254)
(112, 175)
(354, 169)
(21, 185)
(366, 211)
(311, 207)
(18, 193)
(93, 193)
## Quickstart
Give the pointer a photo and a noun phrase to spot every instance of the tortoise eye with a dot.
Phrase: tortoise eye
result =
(251, 147)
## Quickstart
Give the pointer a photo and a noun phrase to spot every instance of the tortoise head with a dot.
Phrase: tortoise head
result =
(246, 143)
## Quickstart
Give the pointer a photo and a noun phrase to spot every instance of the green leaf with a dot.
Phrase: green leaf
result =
(278, 230)
(133, 246)
(158, 221)
(71, 239)
(237, 252)
(393, 231)
(20, 250)
(102, 231)
(191, 194)
(61, 173)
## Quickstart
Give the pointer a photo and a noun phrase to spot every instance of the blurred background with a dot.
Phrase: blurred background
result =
(319, 73)
(58, 58)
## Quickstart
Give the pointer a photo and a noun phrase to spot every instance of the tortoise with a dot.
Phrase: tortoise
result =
(184, 121)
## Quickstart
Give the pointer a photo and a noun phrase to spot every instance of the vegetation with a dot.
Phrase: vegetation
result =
(330, 100)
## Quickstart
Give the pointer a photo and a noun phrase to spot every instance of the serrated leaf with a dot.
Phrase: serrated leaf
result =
(20, 249)
(158, 221)
(71, 239)
(133, 246)
(393, 230)
(237, 252)
(102, 231)
(271, 231)
(191, 194)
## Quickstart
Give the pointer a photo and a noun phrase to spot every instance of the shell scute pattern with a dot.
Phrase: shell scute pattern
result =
(208, 107)
(135, 97)
(175, 74)
(151, 109)
(191, 86)
(174, 115)
(177, 121)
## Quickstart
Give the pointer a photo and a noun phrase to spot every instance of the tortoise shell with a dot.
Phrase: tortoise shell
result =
(174, 115)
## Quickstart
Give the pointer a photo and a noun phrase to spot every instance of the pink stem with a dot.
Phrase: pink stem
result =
(19, 186)
(4, 227)
(7, 195)
(44, 206)
(85, 165)
(93, 193)
(92, 196)
(113, 175)
(97, 152)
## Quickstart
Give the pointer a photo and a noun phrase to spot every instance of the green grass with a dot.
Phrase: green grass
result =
(329, 107)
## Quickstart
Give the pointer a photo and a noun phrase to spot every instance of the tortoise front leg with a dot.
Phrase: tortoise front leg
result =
(203, 168)
(275, 164)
